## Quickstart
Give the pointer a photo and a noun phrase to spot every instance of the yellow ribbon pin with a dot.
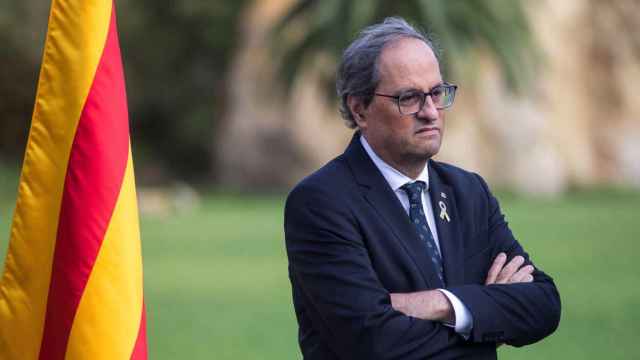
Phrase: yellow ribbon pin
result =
(443, 211)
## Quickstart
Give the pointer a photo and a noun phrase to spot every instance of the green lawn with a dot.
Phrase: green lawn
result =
(216, 284)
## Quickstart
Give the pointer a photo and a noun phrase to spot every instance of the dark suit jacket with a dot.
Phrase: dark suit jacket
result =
(350, 243)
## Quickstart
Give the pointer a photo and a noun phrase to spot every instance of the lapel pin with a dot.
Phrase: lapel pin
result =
(443, 211)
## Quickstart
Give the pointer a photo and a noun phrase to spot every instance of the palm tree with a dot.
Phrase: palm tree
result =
(313, 27)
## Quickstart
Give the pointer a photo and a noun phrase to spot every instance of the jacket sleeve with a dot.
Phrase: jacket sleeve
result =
(331, 271)
(517, 314)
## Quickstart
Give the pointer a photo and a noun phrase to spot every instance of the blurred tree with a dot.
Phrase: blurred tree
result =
(176, 56)
(22, 27)
(313, 27)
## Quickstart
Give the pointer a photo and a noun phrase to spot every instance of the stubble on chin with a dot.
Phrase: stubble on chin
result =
(416, 157)
(423, 152)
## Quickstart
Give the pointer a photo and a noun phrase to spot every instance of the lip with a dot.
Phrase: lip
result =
(428, 130)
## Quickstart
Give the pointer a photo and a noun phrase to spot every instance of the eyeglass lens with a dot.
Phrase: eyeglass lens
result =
(413, 101)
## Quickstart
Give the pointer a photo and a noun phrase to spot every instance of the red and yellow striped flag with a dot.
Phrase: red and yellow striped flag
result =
(72, 283)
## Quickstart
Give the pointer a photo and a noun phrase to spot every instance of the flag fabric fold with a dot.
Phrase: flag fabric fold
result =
(72, 282)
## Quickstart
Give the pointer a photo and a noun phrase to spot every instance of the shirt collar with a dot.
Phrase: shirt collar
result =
(394, 177)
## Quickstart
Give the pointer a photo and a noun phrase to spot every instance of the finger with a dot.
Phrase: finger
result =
(497, 265)
(509, 269)
(522, 274)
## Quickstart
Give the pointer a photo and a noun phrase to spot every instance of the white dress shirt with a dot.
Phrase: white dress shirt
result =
(463, 318)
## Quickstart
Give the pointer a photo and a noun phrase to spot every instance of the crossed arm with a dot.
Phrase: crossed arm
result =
(435, 306)
(517, 305)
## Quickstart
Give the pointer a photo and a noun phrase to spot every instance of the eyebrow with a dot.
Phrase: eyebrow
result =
(411, 89)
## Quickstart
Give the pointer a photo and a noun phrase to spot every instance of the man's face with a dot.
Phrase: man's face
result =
(404, 140)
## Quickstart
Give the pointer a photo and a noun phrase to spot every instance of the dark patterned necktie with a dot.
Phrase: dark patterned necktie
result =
(417, 216)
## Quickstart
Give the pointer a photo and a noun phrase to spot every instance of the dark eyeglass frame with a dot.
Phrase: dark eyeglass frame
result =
(446, 86)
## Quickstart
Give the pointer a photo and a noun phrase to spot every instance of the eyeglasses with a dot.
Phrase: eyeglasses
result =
(412, 101)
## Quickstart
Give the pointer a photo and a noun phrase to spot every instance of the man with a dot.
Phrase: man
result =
(393, 255)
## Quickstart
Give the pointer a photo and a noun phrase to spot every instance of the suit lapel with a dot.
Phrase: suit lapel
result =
(381, 197)
(447, 223)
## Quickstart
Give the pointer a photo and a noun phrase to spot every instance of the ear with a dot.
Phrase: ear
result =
(357, 110)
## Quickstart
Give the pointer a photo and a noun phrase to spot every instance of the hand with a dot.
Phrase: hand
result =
(513, 272)
(427, 305)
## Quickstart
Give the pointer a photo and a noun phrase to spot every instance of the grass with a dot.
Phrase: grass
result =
(216, 281)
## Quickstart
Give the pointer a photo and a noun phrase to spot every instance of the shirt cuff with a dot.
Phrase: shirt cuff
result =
(463, 318)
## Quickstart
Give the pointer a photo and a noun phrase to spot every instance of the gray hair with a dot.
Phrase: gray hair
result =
(358, 71)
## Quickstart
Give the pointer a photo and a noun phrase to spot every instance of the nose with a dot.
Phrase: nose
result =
(429, 111)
